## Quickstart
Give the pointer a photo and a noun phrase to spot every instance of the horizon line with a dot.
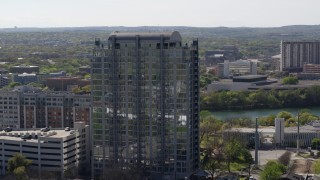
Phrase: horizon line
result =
(57, 27)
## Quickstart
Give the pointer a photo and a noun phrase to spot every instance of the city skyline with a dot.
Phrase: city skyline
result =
(204, 13)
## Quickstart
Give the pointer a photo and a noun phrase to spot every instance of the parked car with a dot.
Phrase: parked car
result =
(8, 129)
(46, 129)
(26, 136)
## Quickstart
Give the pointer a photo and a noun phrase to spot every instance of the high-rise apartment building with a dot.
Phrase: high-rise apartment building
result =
(145, 115)
(294, 54)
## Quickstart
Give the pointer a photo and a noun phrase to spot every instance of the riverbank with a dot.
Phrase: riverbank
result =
(261, 99)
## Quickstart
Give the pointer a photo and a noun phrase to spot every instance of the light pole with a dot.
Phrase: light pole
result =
(256, 139)
(298, 135)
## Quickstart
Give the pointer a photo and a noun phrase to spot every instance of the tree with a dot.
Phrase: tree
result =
(34, 84)
(290, 80)
(209, 127)
(13, 84)
(232, 150)
(20, 173)
(86, 89)
(76, 90)
(210, 141)
(315, 143)
(285, 158)
(18, 165)
(204, 114)
(306, 117)
(267, 120)
(87, 76)
(272, 171)
(284, 114)
(211, 161)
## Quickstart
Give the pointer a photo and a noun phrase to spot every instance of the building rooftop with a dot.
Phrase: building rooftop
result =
(26, 74)
(24, 66)
(36, 134)
(173, 36)
(252, 130)
(250, 77)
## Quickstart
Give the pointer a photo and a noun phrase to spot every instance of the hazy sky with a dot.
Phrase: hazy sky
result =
(201, 13)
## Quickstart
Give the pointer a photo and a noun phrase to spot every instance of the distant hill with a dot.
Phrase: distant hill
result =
(77, 42)
(307, 32)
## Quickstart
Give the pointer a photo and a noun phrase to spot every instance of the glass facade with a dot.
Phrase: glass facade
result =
(145, 105)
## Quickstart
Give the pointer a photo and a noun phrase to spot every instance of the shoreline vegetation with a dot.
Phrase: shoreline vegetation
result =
(261, 99)
(291, 119)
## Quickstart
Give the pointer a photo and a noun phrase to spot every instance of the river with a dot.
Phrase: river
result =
(260, 112)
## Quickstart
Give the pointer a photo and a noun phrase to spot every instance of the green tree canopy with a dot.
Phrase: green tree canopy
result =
(315, 143)
(284, 114)
(272, 171)
(20, 173)
(290, 80)
(18, 165)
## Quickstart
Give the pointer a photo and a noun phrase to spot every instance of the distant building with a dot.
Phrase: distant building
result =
(294, 54)
(220, 70)
(279, 135)
(236, 68)
(275, 63)
(308, 76)
(24, 69)
(54, 152)
(62, 83)
(42, 78)
(3, 71)
(213, 57)
(25, 78)
(250, 78)
(86, 69)
(4, 80)
(311, 68)
(9, 110)
(30, 108)
(58, 74)
(242, 67)
(240, 83)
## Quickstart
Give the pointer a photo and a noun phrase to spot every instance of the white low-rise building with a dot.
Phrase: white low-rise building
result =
(56, 151)
(281, 137)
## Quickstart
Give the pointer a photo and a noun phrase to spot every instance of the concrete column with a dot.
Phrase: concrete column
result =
(62, 159)
(3, 170)
(18, 126)
(39, 159)
(46, 115)
(74, 114)
(62, 117)
(35, 116)
(24, 117)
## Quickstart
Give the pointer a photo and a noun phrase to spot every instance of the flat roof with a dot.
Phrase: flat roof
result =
(250, 76)
(16, 134)
(24, 66)
(252, 130)
(173, 36)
